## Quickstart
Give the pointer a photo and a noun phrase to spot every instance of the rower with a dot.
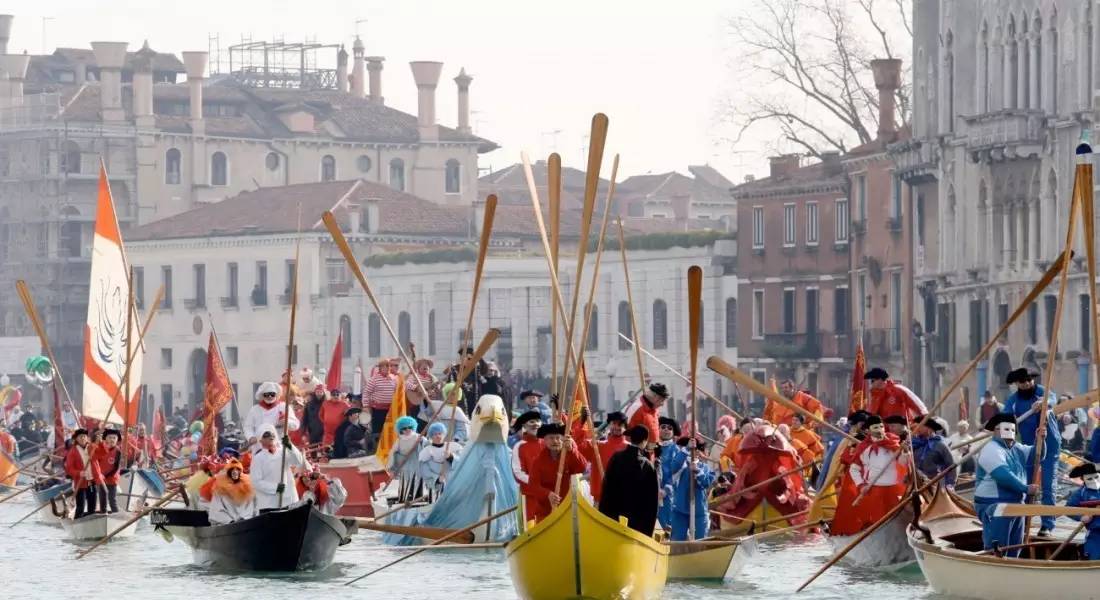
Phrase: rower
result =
(1001, 477)
(233, 497)
(352, 437)
(668, 432)
(108, 458)
(327, 495)
(630, 484)
(84, 472)
(897, 425)
(891, 398)
(434, 456)
(647, 410)
(682, 503)
(1088, 495)
(876, 472)
(541, 492)
(1028, 396)
(267, 478)
(778, 414)
(404, 457)
(930, 452)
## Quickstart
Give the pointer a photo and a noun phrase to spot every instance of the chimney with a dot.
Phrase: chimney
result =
(358, 75)
(681, 207)
(831, 160)
(13, 70)
(342, 69)
(426, 74)
(110, 57)
(783, 165)
(463, 81)
(887, 74)
(355, 219)
(143, 86)
(195, 64)
(374, 67)
(373, 215)
(5, 32)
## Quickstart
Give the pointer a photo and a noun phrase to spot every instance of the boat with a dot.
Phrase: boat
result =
(577, 552)
(709, 559)
(885, 549)
(97, 526)
(763, 517)
(53, 491)
(293, 538)
(362, 478)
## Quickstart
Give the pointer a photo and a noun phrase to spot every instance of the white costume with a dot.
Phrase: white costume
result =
(223, 510)
(266, 477)
(261, 414)
(879, 466)
(337, 496)
(432, 461)
(446, 413)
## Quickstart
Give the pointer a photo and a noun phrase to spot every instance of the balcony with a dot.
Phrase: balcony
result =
(230, 301)
(259, 297)
(1005, 135)
(339, 288)
(916, 160)
(194, 303)
(881, 343)
(792, 345)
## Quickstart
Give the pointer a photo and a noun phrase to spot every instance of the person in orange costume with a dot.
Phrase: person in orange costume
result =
(732, 451)
(543, 495)
(777, 414)
(647, 412)
(809, 440)
(764, 454)
(889, 398)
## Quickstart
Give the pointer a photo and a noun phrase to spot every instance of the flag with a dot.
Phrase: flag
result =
(11, 396)
(58, 424)
(388, 436)
(857, 399)
(160, 428)
(217, 394)
(335, 369)
(106, 330)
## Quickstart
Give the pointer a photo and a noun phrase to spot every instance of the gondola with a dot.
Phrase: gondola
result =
(294, 538)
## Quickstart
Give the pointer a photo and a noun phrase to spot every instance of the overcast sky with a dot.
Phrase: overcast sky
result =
(660, 71)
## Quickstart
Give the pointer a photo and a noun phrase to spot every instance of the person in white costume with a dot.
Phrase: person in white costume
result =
(266, 477)
(268, 410)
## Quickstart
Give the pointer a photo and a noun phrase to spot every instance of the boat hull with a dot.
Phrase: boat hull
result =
(709, 561)
(577, 552)
(362, 477)
(296, 538)
(97, 526)
(886, 548)
(763, 517)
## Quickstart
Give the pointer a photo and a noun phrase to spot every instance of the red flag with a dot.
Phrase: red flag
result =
(332, 380)
(159, 427)
(217, 393)
(858, 397)
(58, 423)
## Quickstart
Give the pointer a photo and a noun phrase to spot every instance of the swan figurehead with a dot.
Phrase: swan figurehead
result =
(489, 423)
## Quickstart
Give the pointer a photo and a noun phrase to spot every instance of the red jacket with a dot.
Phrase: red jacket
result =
(892, 400)
(544, 473)
(74, 468)
(332, 415)
(607, 447)
(523, 456)
(646, 415)
(108, 461)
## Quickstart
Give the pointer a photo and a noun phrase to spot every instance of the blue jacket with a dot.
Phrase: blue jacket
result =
(1016, 405)
(1083, 495)
(704, 478)
(670, 454)
(1094, 446)
(1001, 474)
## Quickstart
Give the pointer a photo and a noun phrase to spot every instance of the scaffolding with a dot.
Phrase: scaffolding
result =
(286, 65)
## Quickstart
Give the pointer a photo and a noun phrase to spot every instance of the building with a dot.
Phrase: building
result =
(230, 265)
(1005, 92)
(171, 147)
(793, 273)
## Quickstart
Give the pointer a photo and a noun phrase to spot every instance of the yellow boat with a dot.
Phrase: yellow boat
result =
(577, 552)
(709, 559)
(760, 519)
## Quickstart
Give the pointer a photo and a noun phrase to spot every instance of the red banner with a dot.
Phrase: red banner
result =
(858, 396)
(335, 368)
(218, 393)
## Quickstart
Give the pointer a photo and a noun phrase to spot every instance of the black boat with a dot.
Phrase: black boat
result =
(294, 538)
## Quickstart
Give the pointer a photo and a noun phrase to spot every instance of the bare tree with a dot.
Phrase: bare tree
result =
(806, 68)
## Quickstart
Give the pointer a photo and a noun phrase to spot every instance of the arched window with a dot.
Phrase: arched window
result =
(404, 329)
(431, 332)
(363, 163)
(731, 322)
(328, 168)
(453, 177)
(660, 325)
(374, 336)
(625, 327)
(70, 161)
(1054, 66)
(219, 169)
(172, 166)
(1037, 39)
(593, 332)
(345, 336)
(1012, 60)
(397, 174)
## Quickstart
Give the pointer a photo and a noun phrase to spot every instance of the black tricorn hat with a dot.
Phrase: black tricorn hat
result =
(616, 417)
(997, 419)
(1083, 469)
(551, 429)
(872, 420)
(1018, 375)
(659, 388)
(877, 373)
(638, 434)
(671, 423)
(934, 425)
(859, 416)
(531, 415)
(894, 420)
(114, 432)
(80, 432)
(352, 411)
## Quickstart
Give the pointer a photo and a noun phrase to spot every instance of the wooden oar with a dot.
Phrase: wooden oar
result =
(136, 517)
(21, 490)
(630, 304)
(428, 533)
(873, 528)
(290, 361)
(1043, 510)
(553, 186)
(726, 497)
(40, 507)
(771, 521)
(673, 370)
(491, 517)
(695, 309)
(777, 532)
(1066, 542)
(399, 507)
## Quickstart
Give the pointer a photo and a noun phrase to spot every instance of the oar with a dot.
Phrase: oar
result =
(428, 533)
(491, 517)
(35, 511)
(873, 528)
(1066, 542)
(1043, 510)
(136, 517)
(729, 532)
(630, 305)
(673, 370)
(21, 490)
(726, 497)
(401, 506)
(695, 308)
(776, 532)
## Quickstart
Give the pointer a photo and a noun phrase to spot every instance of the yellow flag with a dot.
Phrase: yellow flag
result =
(388, 435)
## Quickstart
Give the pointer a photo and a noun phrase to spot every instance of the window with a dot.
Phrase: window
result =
(219, 169)
(431, 332)
(139, 287)
(166, 398)
(841, 221)
(788, 310)
(1002, 314)
(811, 224)
(593, 332)
(660, 325)
(758, 314)
(200, 285)
(895, 285)
(625, 328)
(166, 281)
(453, 177)
(811, 312)
(404, 329)
(788, 224)
(1050, 307)
(272, 161)
(328, 168)
(166, 358)
(259, 291)
(231, 356)
(895, 205)
(71, 240)
(976, 315)
(397, 174)
(345, 336)
(861, 197)
(758, 227)
(374, 336)
(172, 161)
(731, 322)
(1085, 320)
(761, 377)
(1033, 323)
(841, 308)
(231, 277)
(291, 273)
(70, 160)
(864, 299)
(363, 163)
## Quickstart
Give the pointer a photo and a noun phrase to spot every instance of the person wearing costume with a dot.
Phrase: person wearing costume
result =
(668, 432)
(808, 438)
(327, 495)
(930, 452)
(630, 484)
(268, 410)
(525, 451)
(777, 414)
(1088, 495)
(378, 393)
(647, 408)
(404, 457)
(332, 414)
(891, 398)
(353, 437)
(682, 502)
(312, 425)
(1027, 396)
(436, 459)
(267, 478)
(1001, 476)
(877, 471)
(541, 491)
(108, 458)
(84, 472)
(449, 409)
(233, 497)
(731, 452)
(765, 454)
(607, 447)
(531, 400)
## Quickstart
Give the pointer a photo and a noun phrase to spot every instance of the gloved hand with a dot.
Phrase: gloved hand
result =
(286, 442)
(280, 488)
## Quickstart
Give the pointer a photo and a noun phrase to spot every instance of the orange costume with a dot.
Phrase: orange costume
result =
(764, 453)
(732, 451)
(544, 473)
(894, 399)
(808, 443)
(646, 415)
(777, 414)
(607, 447)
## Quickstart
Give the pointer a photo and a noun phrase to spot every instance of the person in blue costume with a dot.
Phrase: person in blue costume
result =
(1088, 495)
(1001, 478)
(681, 503)
(1026, 397)
(668, 431)
(1093, 451)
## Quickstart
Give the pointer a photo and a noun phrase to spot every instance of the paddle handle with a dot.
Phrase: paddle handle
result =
(139, 515)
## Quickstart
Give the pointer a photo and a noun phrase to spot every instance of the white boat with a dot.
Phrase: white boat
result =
(885, 549)
(95, 527)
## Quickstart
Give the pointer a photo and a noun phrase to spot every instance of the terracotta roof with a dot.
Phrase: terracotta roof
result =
(798, 181)
(663, 185)
(710, 176)
(510, 185)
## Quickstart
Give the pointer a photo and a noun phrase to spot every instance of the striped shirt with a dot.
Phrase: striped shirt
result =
(379, 391)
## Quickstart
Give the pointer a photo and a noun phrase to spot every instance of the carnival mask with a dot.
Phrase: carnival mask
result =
(1092, 481)
(1006, 431)
(877, 431)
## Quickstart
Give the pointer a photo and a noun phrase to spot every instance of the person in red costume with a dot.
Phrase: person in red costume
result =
(647, 410)
(542, 495)
(764, 454)
(846, 519)
(877, 472)
(108, 458)
(777, 414)
(524, 453)
(332, 414)
(889, 398)
(83, 470)
(615, 441)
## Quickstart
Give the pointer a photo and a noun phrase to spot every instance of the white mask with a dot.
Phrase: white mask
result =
(1006, 431)
(1092, 481)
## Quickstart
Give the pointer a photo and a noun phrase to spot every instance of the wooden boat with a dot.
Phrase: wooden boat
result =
(293, 538)
(885, 549)
(362, 477)
(94, 527)
(577, 552)
(709, 559)
(763, 517)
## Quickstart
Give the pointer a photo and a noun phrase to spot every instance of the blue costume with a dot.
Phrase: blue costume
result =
(669, 455)
(1093, 452)
(681, 504)
(1083, 496)
(1001, 477)
(1018, 404)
